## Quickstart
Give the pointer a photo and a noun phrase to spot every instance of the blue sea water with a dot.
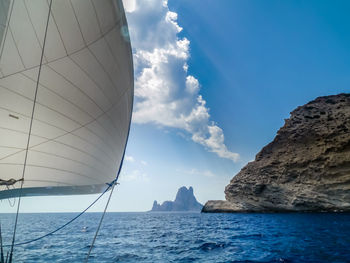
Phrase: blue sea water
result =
(184, 237)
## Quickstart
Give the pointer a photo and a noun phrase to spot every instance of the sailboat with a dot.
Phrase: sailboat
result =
(66, 96)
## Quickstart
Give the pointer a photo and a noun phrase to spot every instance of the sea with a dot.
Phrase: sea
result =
(182, 237)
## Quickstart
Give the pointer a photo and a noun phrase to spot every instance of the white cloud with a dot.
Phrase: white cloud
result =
(192, 84)
(129, 159)
(129, 5)
(135, 175)
(208, 174)
(164, 92)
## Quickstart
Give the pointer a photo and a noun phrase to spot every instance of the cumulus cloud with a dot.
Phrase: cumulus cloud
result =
(129, 158)
(165, 94)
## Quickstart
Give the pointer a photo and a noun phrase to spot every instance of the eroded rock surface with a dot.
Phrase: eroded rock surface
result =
(305, 168)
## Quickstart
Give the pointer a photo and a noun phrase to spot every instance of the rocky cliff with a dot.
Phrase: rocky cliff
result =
(305, 168)
(184, 201)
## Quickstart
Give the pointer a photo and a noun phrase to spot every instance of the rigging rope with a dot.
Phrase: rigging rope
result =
(99, 225)
(7, 28)
(1, 248)
(110, 185)
(70, 221)
(29, 134)
(9, 199)
(109, 198)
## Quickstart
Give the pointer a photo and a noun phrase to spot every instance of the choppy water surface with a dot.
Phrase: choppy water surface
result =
(185, 237)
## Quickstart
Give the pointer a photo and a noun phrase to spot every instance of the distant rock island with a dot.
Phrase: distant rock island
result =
(306, 168)
(184, 201)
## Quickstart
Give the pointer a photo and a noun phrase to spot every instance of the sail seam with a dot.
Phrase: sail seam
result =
(7, 28)
(29, 133)
(116, 179)
(57, 59)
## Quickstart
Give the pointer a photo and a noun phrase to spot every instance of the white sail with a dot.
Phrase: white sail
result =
(84, 97)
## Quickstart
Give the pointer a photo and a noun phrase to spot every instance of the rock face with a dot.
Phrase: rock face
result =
(184, 201)
(305, 168)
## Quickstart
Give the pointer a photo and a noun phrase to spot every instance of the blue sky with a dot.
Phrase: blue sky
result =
(214, 81)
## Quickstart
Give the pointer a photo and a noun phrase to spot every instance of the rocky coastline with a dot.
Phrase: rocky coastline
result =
(306, 168)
